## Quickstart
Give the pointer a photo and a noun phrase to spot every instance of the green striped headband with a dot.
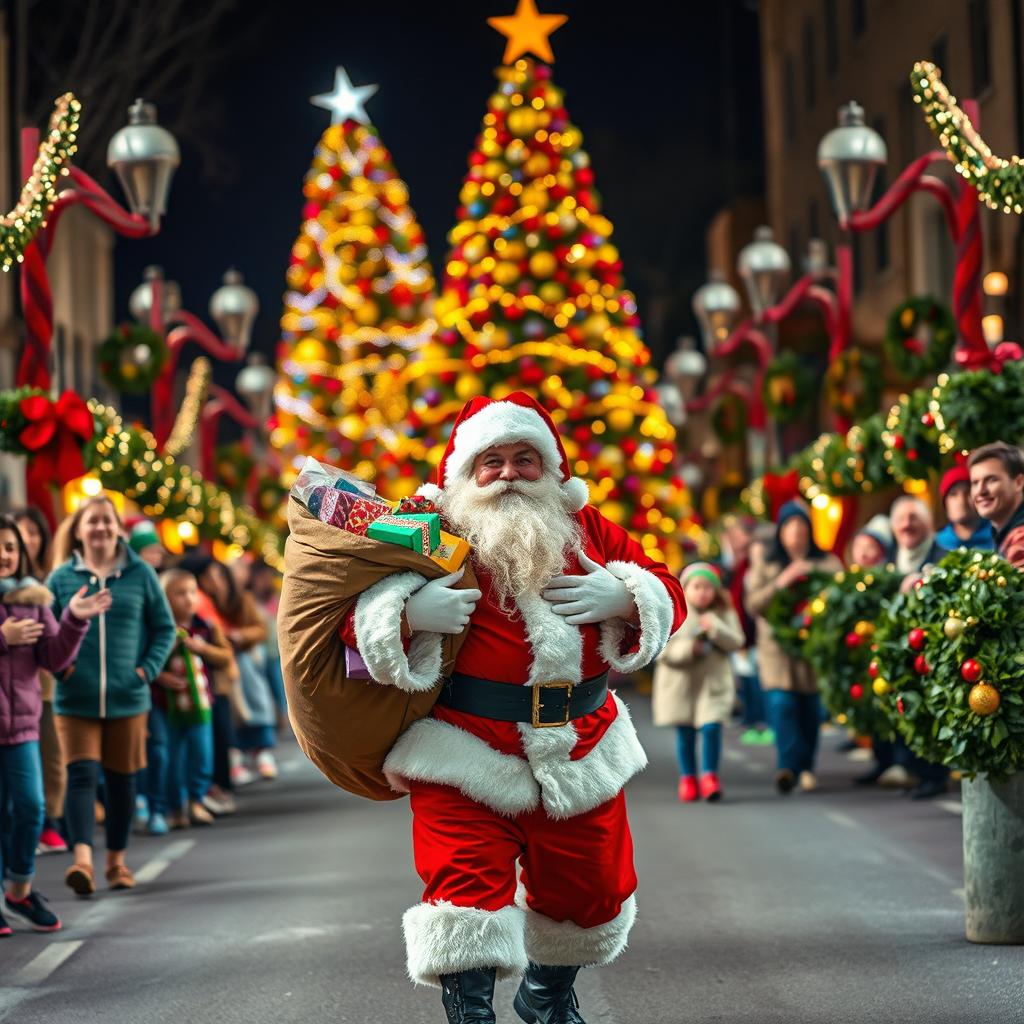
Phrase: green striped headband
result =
(702, 570)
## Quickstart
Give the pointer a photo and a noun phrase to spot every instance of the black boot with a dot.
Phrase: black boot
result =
(546, 996)
(468, 995)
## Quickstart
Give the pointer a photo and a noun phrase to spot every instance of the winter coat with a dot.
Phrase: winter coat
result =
(980, 540)
(218, 658)
(136, 632)
(698, 690)
(778, 670)
(21, 697)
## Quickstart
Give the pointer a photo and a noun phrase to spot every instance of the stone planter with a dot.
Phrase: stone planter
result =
(994, 859)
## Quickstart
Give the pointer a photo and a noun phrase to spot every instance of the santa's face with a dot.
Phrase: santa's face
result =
(513, 515)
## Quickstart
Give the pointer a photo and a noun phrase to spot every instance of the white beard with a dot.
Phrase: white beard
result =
(520, 532)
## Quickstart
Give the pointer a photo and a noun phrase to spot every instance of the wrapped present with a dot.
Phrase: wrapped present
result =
(191, 706)
(415, 504)
(405, 531)
(315, 474)
(450, 553)
(361, 513)
(355, 667)
(433, 521)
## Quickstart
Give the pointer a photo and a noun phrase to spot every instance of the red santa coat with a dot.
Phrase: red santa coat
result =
(514, 768)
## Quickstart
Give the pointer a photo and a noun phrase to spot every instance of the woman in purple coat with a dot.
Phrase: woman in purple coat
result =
(30, 640)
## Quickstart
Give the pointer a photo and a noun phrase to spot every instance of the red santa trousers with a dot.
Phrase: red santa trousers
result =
(575, 906)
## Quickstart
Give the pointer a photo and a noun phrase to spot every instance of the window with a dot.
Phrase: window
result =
(789, 97)
(881, 233)
(859, 17)
(981, 58)
(809, 64)
(831, 19)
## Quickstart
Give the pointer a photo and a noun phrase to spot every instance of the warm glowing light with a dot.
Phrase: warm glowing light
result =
(992, 328)
(996, 283)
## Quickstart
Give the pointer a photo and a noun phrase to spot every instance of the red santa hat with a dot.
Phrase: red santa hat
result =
(486, 422)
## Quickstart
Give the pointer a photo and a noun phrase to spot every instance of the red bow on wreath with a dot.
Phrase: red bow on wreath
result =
(54, 437)
(780, 488)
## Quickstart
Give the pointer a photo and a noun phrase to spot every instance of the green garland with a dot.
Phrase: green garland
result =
(853, 384)
(729, 420)
(976, 407)
(131, 358)
(788, 388)
(969, 609)
(999, 182)
(841, 465)
(839, 643)
(912, 437)
(909, 355)
(788, 615)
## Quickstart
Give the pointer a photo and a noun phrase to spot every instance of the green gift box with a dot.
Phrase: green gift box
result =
(413, 532)
(433, 521)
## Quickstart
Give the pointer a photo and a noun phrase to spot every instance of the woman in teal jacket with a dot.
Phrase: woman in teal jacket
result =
(102, 702)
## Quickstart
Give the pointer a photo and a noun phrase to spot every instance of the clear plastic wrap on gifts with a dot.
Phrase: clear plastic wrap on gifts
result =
(315, 474)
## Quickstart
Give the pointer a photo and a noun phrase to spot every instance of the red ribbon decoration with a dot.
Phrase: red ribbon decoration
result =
(54, 437)
(780, 488)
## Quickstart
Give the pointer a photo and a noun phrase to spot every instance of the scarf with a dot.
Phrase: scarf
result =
(12, 583)
(910, 560)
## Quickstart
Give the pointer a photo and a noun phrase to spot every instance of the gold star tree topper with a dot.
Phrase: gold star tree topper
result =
(527, 31)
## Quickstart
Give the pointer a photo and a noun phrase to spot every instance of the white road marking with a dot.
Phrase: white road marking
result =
(841, 819)
(42, 966)
(156, 867)
(953, 806)
(734, 755)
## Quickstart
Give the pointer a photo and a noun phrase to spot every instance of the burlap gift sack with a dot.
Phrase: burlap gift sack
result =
(344, 726)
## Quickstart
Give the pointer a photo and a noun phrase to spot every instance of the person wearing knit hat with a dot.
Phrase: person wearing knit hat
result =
(145, 542)
(526, 753)
(964, 527)
(872, 544)
(694, 687)
(790, 689)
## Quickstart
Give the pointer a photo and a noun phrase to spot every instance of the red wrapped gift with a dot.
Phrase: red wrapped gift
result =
(415, 504)
(362, 512)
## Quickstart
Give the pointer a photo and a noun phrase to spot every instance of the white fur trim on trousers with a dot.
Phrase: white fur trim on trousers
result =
(441, 938)
(564, 944)
(378, 624)
(655, 608)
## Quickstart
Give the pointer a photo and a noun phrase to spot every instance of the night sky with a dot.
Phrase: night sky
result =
(658, 104)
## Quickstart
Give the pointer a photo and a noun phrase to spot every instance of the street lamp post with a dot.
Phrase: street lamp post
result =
(233, 307)
(144, 156)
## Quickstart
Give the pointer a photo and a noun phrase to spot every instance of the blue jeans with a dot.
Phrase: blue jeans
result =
(710, 748)
(22, 808)
(156, 757)
(189, 763)
(796, 719)
(753, 699)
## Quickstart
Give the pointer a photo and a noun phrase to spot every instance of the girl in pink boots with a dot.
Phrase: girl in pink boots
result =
(694, 688)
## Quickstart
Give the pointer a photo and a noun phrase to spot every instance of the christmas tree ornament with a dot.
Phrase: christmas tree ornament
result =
(527, 31)
(864, 628)
(873, 670)
(856, 691)
(921, 666)
(880, 687)
(971, 670)
(953, 628)
(983, 699)
(916, 638)
(347, 101)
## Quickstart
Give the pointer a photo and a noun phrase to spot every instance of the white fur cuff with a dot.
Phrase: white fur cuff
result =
(655, 607)
(378, 623)
(434, 751)
(564, 944)
(441, 938)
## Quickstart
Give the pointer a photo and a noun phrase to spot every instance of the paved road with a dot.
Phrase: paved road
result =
(841, 906)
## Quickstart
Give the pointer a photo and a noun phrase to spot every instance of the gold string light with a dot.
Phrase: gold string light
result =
(185, 424)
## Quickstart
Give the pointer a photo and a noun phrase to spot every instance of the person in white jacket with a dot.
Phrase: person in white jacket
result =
(694, 686)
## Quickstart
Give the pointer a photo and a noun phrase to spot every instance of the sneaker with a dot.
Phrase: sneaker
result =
(141, 814)
(710, 788)
(688, 789)
(266, 765)
(808, 782)
(767, 737)
(752, 738)
(198, 814)
(157, 825)
(219, 806)
(33, 910)
(785, 780)
(242, 776)
(5, 928)
(51, 841)
(894, 777)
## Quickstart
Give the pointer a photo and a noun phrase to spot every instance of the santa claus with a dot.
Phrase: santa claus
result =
(519, 819)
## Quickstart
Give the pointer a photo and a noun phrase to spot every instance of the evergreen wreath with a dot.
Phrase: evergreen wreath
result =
(853, 384)
(788, 388)
(131, 358)
(910, 355)
(788, 612)
(729, 420)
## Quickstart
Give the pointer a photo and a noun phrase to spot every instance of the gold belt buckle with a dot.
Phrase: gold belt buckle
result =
(537, 723)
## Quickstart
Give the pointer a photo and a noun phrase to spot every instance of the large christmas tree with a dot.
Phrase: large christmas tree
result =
(533, 298)
(358, 307)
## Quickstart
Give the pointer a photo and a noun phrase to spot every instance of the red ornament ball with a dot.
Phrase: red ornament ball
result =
(928, 419)
(916, 638)
(921, 666)
(852, 640)
(873, 670)
(971, 670)
(899, 442)
(856, 691)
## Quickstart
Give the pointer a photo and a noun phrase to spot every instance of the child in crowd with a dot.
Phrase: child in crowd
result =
(181, 729)
(694, 688)
(30, 640)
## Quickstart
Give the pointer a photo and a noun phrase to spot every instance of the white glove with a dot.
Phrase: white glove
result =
(596, 597)
(437, 607)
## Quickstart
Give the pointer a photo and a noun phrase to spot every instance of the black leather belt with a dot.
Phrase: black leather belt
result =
(544, 705)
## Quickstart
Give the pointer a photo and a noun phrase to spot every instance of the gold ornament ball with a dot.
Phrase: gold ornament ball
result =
(1000, 581)
(522, 121)
(864, 628)
(515, 250)
(595, 326)
(311, 350)
(817, 606)
(537, 166)
(543, 263)
(366, 313)
(880, 687)
(468, 386)
(506, 273)
(551, 292)
(620, 420)
(571, 140)
(983, 699)
(953, 628)
(474, 249)
(614, 511)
